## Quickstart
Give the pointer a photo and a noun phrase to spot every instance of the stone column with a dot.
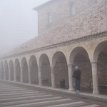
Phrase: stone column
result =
(4, 71)
(95, 78)
(9, 72)
(52, 78)
(13, 70)
(14, 73)
(39, 76)
(29, 79)
(21, 75)
(70, 73)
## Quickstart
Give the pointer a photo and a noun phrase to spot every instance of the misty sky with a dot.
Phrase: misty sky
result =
(18, 22)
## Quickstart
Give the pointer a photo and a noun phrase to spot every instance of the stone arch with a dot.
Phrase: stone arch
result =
(2, 71)
(17, 70)
(60, 70)
(6, 70)
(80, 57)
(100, 57)
(24, 66)
(33, 70)
(11, 67)
(45, 70)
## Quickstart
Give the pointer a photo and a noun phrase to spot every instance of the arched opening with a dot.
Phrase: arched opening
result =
(11, 71)
(6, 70)
(100, 57)
(24, 70)
(2, 72)
(33, 70)
(79, 57)
(60, 70)
(45, 70)
(17, 71)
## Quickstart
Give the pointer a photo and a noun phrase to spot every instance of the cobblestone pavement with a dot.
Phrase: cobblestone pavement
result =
(12, 96)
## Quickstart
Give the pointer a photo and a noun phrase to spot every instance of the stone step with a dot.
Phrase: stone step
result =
(94, 105)
(12, 90)
(71, 104)
(44, 103)
(30, 101)
(23, 98)
(20, 94)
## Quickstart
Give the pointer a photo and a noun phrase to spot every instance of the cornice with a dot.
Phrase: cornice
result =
(74, 41)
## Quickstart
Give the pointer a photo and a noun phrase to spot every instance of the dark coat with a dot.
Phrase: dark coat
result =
(77, 74)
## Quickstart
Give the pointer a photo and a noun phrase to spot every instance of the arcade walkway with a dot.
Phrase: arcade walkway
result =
(14, 96)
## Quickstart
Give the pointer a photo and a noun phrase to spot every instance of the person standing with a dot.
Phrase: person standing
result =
(77, 78)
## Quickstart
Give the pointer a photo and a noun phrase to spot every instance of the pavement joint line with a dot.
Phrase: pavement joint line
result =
(67, 104)
(34, 100)
(23, 91)
(13, 96)
(25, 97)
(22, 94)
(94, 105)
(37, 103)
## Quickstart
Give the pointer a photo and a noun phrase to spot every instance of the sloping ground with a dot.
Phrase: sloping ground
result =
(12, 96)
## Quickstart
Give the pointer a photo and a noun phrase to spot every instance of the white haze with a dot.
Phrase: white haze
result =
(18, 22)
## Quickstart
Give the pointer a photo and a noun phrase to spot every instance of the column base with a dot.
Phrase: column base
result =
(71, 89)
(96, 93)
(53, 86)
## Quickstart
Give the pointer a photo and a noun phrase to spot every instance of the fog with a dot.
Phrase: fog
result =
(18, 22)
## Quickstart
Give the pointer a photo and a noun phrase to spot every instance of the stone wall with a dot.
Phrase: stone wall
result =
(90, 18)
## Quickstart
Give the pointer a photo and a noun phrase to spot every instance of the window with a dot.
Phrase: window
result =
(92, 2)
(72, 8)
(49, 18)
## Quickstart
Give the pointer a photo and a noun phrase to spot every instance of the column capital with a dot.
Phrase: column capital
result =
(93, 62)
(70, 64)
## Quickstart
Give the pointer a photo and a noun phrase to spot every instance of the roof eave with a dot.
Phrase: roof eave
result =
(41, 5)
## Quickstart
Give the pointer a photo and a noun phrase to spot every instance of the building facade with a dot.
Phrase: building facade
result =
(71, 32)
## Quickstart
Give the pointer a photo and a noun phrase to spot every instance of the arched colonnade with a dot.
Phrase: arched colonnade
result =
(56, 71)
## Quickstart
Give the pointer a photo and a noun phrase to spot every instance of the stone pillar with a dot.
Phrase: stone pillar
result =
(29, 79)
(95, 78)
(39, 76)
(52, 78)
(13, 70)
(14, 73)
(4, 71)
(70, 73)
(21, 75)
(9, 72)
(0, 71)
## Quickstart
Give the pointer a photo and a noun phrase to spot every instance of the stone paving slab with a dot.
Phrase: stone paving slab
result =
(23, 97)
